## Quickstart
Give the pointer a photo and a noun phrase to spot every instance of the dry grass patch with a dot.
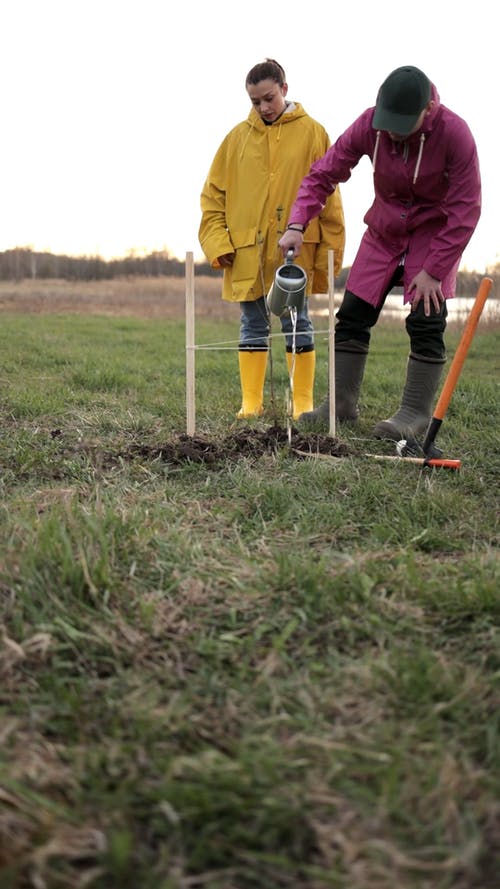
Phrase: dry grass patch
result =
(141, 297)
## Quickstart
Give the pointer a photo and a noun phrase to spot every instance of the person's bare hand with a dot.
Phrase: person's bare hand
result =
(291, 240)
(226, 260)
(425, 287)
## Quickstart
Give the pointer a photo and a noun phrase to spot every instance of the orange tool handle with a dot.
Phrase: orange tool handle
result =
(441, 463)
(463, 348)
(437, 462)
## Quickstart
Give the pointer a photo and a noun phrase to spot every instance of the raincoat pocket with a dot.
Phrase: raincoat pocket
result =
(246, 260)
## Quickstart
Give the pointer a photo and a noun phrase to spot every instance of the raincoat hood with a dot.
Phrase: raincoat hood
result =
(293, 111)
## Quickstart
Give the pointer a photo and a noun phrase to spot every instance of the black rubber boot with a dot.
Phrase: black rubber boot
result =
(350, 360)
(413, 417)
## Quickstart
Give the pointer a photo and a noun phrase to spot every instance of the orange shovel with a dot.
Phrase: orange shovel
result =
(430, 453)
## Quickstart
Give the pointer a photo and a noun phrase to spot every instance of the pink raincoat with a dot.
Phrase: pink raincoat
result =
(427, 199)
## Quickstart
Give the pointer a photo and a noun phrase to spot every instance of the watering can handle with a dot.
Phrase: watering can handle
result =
(289, 256)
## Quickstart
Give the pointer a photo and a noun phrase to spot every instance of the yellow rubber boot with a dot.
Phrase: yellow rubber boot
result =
(252, 375)
(304, 367)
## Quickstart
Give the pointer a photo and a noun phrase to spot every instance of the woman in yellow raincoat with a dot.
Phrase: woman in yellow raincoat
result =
(245, 204)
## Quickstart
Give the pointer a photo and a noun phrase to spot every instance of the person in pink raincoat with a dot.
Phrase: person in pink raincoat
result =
(426, 207)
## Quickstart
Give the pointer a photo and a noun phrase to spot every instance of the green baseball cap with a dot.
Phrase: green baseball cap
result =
(401, 100)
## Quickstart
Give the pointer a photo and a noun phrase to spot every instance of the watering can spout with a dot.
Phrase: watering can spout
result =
(288, 289)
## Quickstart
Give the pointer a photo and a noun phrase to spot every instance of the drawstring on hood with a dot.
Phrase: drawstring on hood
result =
(377, 143)
(405, 152)
(254, 120)
(249, 133)
(419, 158)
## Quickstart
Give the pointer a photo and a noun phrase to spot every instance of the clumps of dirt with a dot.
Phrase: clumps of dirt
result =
(244, 442)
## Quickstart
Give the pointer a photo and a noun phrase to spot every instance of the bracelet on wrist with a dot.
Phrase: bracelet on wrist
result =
(296, 227)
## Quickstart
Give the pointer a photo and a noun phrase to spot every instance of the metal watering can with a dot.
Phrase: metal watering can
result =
(288, 289)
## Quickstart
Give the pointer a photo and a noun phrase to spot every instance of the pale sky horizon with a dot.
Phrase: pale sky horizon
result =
(113, 109)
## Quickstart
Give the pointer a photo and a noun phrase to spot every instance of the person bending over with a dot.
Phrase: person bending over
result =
(426, 206)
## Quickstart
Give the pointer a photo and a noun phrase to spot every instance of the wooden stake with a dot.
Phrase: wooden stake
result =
(190, 388)
(331, 341)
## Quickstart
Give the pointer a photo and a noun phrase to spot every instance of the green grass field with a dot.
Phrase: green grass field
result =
(263, 673)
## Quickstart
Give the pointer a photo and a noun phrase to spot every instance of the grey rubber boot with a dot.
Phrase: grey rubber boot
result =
(414, 414)
(350, 360)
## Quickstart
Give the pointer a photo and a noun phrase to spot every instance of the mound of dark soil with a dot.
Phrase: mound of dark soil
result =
(244, 442)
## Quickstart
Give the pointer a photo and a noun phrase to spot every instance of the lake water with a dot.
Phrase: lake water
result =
(458, 308)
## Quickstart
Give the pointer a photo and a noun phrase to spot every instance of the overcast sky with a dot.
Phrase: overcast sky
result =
(113, 109)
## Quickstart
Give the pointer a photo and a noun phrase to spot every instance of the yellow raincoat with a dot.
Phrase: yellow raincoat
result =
(246, 200)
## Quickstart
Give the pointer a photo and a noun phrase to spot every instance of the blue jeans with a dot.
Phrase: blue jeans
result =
(255, 327)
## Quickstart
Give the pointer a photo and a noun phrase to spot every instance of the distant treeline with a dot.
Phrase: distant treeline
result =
(23, 262)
